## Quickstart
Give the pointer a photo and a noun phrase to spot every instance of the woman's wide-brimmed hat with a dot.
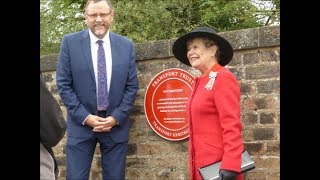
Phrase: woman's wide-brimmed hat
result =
(179, 47)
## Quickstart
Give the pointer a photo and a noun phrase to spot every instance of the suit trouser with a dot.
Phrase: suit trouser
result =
(46, 164)
(80, 152)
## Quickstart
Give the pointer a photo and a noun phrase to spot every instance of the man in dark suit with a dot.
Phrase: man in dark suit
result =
(78, 85)
(52, 130)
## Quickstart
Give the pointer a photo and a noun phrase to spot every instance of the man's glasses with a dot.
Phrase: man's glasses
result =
(102, 15)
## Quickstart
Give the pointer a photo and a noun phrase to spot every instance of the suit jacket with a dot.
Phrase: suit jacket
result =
(52, 122)
(77, 87)
(215, 125)
(52, 130)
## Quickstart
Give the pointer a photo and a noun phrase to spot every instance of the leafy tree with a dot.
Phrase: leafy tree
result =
(268, 11)
(149, 20)
(56, 19)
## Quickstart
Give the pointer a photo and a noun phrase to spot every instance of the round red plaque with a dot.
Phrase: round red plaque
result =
(165, 103)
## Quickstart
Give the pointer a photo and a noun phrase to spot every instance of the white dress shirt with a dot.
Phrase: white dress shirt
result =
(94, 55)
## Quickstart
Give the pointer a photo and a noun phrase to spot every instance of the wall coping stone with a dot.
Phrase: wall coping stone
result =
(241, 39)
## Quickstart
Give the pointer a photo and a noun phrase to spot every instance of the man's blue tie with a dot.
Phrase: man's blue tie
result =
(102, 79)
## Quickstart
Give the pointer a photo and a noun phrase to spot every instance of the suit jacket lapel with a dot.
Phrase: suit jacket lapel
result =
(86, 49)
(114, 44)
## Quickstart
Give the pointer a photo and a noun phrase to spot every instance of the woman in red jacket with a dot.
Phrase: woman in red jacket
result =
(213, 108)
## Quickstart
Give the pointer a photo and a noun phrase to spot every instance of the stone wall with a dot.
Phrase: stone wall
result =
(256, 64)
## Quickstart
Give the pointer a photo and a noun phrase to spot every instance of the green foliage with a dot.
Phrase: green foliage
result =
(152, 20)
(228, 15)
(57, 19)
(149, 20)
(268, 11)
